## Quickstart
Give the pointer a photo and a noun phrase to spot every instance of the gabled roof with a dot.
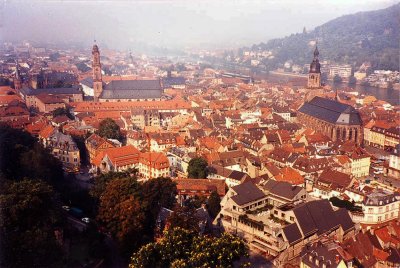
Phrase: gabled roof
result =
(132, 89)
(201, 185)
(46, 132)
(246, 192)
(331, 111)
(125, 155)
(292, 233)
(318, 217)
(282, 189)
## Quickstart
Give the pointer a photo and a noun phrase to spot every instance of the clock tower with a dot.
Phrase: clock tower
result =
(97, 79)
(314, 76)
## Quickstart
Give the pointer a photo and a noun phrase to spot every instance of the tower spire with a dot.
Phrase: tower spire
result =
(17, 79)
(97, 76)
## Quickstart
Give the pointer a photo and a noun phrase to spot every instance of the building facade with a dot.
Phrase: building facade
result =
(338, 121)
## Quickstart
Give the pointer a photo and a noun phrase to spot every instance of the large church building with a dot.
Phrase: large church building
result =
(122, 90)
(338, 121)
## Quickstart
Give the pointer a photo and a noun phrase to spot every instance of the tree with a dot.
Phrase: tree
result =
(28, 221)
(337, 79)
(197, 168)
(155, 194)
(183, 217)
(352, 80)
(62, 111)
(120, 211)
(109, 129)
(101, 181)
(214, 204)
(22, 156)
(193, 251)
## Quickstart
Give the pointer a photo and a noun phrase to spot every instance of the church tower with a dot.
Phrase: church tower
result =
(97, 79)
(17, 80)
(314, 76)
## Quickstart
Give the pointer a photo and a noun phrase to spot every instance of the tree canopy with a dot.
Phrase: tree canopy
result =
(197, 168)
(28, 220)
(129, 209)
(109, 129)
(193, 251)
(214, 204)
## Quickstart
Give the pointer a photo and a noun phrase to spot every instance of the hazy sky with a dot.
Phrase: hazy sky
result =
(173, 24)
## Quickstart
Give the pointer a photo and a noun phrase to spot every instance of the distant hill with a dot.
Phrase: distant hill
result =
(371, 36)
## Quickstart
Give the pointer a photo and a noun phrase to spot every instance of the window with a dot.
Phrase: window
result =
(370, 210)
(379, 218)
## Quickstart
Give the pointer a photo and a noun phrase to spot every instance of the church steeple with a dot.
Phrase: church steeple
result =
(314, 76)
(17, 79)
(97, 77)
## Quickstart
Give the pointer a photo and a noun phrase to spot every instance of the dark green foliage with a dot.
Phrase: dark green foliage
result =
(22, 156)
(101, 181)
(109, 129)
(213, 204)
(193, 251)
(80, 143)
(129, 209)
(371, 36)
(197, 168)
(337, 79)
(195, 201)
(28, 220)
(352, 80)
(344, 204)
(62, 111)
(183, 217)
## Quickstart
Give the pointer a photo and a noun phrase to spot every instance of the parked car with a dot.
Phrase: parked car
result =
(86, 220)
(66, 208)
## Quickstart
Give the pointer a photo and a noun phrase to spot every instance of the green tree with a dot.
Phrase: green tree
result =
(120, 211)
(28, 221)
(337, 79)
(352, 80)
(22, 156)
(214, 204)
(101, 181)
(109, 129)
(183, 217)
(62, 111)
(183, 248)
(197, 168)
(155, 194)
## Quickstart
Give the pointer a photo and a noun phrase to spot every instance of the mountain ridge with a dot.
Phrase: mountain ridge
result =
(369, 36)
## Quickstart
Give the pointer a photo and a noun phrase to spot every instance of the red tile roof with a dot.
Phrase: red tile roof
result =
(198, 186)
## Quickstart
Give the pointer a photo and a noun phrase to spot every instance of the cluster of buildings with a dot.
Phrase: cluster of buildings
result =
(301, 170)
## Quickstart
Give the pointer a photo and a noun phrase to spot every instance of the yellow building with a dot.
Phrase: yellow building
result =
(360, 166)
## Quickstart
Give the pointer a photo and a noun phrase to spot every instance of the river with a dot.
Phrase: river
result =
(390, 95)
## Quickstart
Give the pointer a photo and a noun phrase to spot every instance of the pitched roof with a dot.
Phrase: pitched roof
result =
(132, 89)
(246, 192)
(336, 178)
(318, 217)
(290, 175)
(46, 132)
(331, 111)
(292, 233)
(121, 156)
(201, 185)
(282, 189)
